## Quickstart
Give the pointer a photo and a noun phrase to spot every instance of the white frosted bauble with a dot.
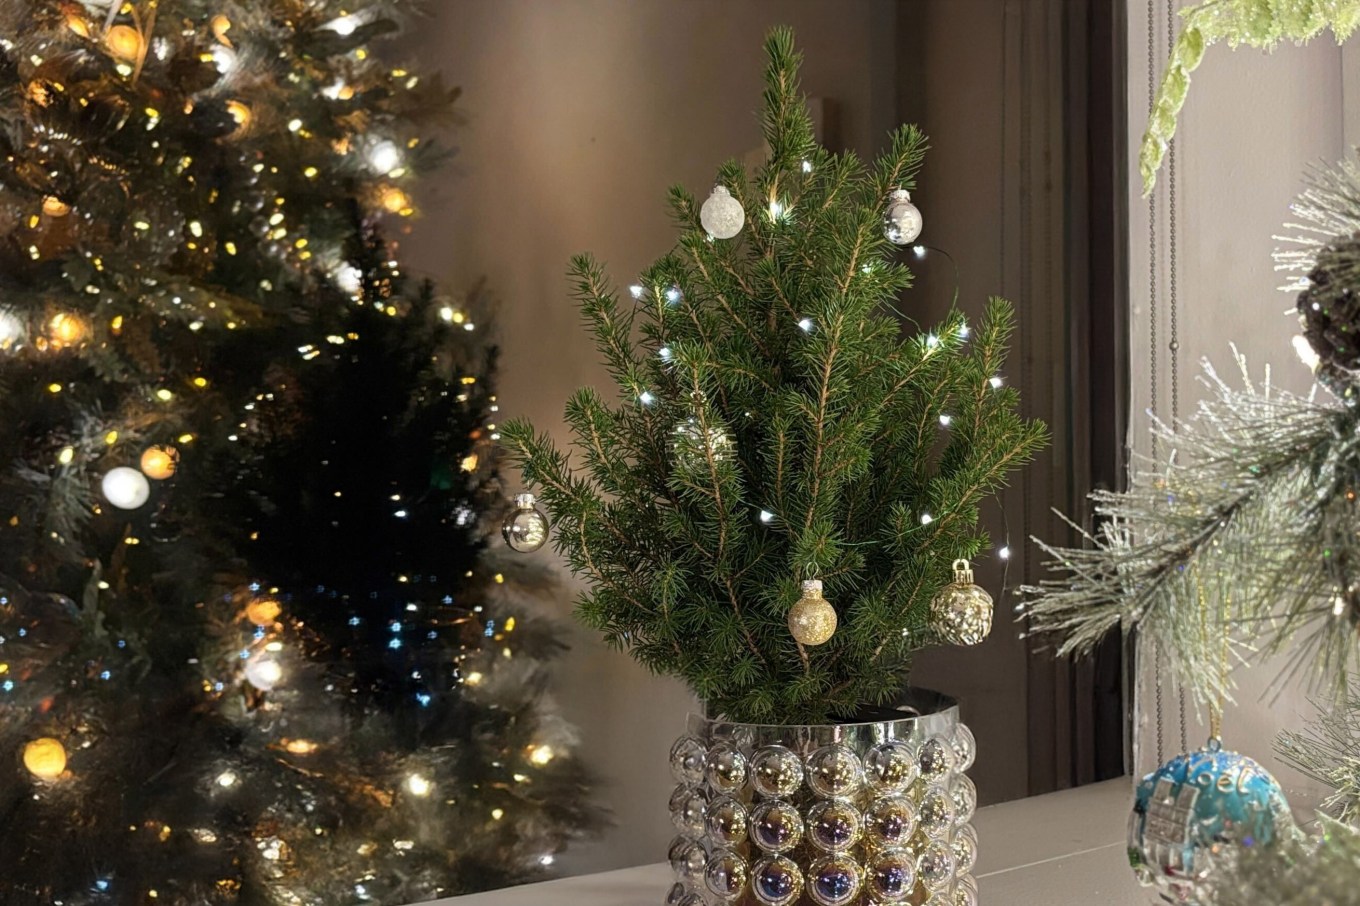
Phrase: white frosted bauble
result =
(384, 157)
(11, 330)
(125, 488)
(902, 221)
(722, 215)
(264, 672)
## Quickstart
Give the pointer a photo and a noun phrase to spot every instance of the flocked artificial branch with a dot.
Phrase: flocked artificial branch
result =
(1329, 752)
(1242, 541)
(1243, 533)
(1294, 871)
(1255, 23)
(774, 425)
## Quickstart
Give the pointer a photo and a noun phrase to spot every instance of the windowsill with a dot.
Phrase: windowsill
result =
(1062, 848)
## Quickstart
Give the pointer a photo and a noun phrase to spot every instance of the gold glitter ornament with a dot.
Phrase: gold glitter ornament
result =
(45, 758)
(962, 611)
(812, 620)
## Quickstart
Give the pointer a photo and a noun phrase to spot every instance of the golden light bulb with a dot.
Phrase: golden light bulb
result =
(159, 462)
(263, 611)
(300, 746)
(541, 755)
(418, 785)
(65, 329)
(54, 207)
(125, 43)
(77, 24)
(45, 758)
(395, 200)
(240, 113)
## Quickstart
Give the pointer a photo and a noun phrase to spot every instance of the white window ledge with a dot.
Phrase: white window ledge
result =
(1054, 850)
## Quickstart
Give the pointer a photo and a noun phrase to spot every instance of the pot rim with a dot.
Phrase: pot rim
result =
(911, 704)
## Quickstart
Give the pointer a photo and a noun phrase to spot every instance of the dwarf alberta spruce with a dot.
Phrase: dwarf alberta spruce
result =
(778, 420)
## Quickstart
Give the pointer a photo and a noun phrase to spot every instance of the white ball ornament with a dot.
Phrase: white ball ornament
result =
(902, 221)
(125, 488)
(722, 215)
(383, 157)
(264, 672)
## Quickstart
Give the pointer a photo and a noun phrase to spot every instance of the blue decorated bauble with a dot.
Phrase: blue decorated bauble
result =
(1195, 809)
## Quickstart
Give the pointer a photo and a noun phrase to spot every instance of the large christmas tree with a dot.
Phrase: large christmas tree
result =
(783, 424)
(253, 648)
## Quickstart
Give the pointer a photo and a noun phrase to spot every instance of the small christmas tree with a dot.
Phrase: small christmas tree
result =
(253, 647)
(780, 422)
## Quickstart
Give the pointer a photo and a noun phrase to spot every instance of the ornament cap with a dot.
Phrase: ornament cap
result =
(812, 587)
(524, 501)
(900, 195)
(721, 190)
(963, 570)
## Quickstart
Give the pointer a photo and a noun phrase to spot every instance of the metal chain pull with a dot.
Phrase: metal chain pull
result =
(1152, 336)
(1174, 345)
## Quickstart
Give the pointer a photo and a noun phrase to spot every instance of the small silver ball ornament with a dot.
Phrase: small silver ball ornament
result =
(526, 528)
(902, 221)
(722, 215)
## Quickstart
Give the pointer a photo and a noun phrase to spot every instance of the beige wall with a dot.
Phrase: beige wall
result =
(951, 71)
(579, 115)
(1252, 125)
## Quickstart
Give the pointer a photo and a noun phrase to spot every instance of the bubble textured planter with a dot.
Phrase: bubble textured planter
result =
(867, 812)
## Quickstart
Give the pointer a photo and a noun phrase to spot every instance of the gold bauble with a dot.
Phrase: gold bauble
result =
(241, 114)
(125, 43)
(962, 612)
(812, 620)
(66, 330)
(159, 462)
(263, 611)
(54, 207)
(394, 200)
(45, 758)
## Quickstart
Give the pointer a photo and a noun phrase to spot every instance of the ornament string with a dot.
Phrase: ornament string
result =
(1217, 706)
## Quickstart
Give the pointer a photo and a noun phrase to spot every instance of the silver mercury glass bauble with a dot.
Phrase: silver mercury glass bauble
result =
(725, 821)
(962, 611)
(725, 875)
(687, 760)
(834, 880)
(890, 876)
(776, 827)
(902, 220)
(725, 768)
(776, 772)
(721, 214)
(890, 767)
(526, 528)
(776, 881)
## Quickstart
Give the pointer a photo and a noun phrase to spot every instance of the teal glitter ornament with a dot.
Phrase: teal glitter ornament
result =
(1193, 811)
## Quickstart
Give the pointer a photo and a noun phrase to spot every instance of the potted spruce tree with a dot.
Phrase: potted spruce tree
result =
(771, 511)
